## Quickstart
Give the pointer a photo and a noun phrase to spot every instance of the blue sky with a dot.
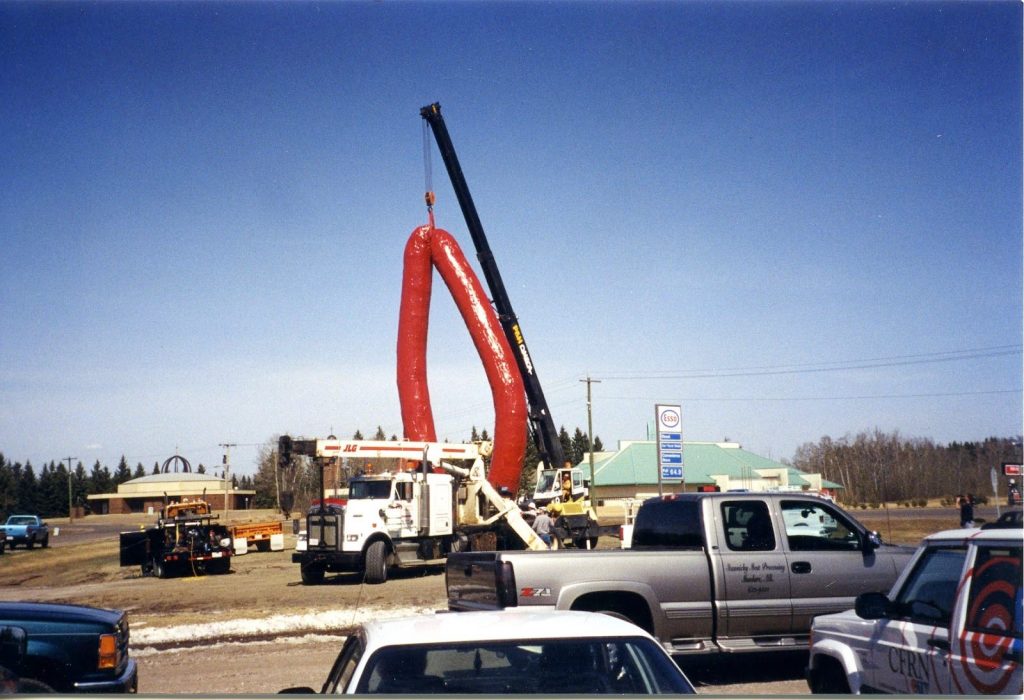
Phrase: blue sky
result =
(795, 219)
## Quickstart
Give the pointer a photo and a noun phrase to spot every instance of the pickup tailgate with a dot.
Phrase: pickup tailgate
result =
(479, 581)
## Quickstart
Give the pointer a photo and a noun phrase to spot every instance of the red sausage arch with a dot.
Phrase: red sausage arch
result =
(429, 247)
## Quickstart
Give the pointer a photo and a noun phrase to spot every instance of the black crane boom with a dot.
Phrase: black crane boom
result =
(542, 427)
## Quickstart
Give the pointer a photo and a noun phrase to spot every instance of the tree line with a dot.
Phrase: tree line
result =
(46, 492)
(878, 467)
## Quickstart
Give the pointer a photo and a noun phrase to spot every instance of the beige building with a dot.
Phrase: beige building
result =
(147, 494)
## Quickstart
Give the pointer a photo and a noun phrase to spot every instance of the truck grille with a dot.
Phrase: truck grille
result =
(324, 529)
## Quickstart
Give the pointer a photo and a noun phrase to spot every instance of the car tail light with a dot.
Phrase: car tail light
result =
(108, 651)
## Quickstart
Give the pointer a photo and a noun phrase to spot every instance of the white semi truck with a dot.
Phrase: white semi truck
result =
(434, 500)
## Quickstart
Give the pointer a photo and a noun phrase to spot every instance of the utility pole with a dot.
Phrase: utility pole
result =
(227, 469)
(71, 512)
(590, 439)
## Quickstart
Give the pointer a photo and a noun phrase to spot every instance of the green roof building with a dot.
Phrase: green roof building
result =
(632, 471)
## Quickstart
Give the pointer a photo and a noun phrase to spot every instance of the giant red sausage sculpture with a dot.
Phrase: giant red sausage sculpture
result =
(426, 247)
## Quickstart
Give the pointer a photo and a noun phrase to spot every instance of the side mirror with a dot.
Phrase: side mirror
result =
(13, 646)
(872, 606)
(872, 541)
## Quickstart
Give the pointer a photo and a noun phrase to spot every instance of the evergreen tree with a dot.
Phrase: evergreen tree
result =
(201, 469)
(140, 471)
(379, 435)
(7, 489)
(358, 435)
(79, 486)
(27, 490)
(156, 468)
(99, 479)
(580, 446)
(563, 437)
(598, 446)
(122, 473)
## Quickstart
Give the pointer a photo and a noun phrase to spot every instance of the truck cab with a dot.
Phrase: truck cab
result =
(387, 517)
(550, 486)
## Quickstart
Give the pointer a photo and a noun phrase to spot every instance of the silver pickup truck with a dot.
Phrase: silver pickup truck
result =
(708, 572)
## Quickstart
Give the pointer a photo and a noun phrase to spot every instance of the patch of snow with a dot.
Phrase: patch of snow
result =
(326, 620)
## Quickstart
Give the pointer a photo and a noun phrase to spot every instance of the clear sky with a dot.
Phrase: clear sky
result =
(795, 219)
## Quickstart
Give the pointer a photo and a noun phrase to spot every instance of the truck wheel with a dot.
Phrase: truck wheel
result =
(377, 563)
(828, 678)
(312, 574)
(31, 542)
(46, 541)
(159, 568)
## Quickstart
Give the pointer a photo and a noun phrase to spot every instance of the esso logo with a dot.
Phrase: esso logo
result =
(669, 418)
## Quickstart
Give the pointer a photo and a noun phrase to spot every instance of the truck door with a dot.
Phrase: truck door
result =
(985, 654)
(911, 649)
(826, 561)
(752, 583)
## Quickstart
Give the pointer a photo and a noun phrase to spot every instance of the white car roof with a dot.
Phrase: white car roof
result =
(965, 534)
(498, 625)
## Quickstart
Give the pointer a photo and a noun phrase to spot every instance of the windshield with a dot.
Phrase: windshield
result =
(21, 520)
(632, 666)
(377, 488)
(546, 481)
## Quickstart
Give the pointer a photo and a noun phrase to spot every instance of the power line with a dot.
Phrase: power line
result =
(695, 399)
(837, 366)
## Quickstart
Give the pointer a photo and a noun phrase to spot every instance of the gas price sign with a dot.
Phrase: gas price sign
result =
(669, 419)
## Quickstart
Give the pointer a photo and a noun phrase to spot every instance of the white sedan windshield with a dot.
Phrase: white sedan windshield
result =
(634, 666)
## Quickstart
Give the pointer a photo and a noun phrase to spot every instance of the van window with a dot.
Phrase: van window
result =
(994, 603)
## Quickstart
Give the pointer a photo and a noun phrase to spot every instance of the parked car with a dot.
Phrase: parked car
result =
(73, 648)
(28, 530)
(506, 653)
(1008, 520)
(950, 625)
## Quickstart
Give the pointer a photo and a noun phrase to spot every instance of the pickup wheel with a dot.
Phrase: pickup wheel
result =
(626, 606)
(828, 678)
(46, 541)
(159, 568)
(312, 574)
(31, 542)
(377, 562)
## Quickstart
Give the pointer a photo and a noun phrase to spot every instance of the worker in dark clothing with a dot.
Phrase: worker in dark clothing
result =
(967, 511)
(1013, 495)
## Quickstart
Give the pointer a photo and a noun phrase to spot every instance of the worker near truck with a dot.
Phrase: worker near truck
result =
(542, 526)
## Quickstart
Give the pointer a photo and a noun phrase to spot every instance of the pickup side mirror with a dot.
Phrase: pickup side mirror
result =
(872, 606)
(13, 646)
(872, 541)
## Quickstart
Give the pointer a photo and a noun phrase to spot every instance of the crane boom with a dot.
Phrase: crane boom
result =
(542, 427)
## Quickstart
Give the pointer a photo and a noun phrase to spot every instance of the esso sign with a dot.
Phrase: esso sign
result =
(669, 418)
